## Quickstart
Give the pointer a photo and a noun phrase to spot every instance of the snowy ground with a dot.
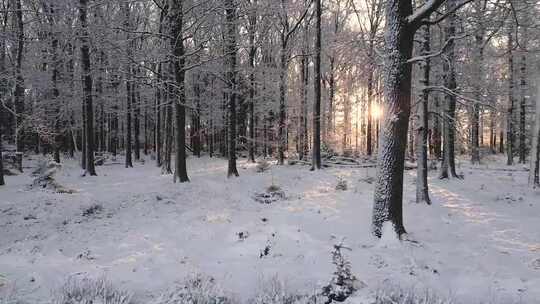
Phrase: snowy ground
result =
(480, 240)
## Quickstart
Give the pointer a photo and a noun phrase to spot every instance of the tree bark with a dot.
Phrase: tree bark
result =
(422, 190)
(19, 80)
(178, 60)
(252, 54)
(230, 13)
(399, 37)
(448, 166)
(523, 100)
(87, 89)
(129, 88)
(316, 148)
(478, 65)
(510, 108)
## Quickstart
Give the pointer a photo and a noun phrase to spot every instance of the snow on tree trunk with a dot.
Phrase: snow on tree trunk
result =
(395, 121)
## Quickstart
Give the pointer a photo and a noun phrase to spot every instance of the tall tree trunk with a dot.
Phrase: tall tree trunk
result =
(252, 54)
(304, 79)
(436, 132)
(448, 166)
(230, 47)
(282, 99)
(2, 182)
(136, 100)
(19, 80)
(422, 190)
(330, 127)
(510, 108)
(523, 99)
(399, 37)
(177, 44)
(478, 66)
(157, 110)
(129, 87)
(534, 172)
(166, 166)
(369, 126)
(316, 148)
(87, 88)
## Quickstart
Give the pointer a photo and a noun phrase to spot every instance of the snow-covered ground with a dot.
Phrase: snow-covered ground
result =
(479, 241)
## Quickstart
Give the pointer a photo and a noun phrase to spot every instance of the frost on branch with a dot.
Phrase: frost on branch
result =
(198, 289)
(95, 291)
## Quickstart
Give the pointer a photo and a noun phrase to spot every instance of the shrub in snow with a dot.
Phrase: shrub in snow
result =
(94, 291)
(342, 184)
(92, 210)
(44, 176)
(343, 283)
(395, 295)
(198, 289)
(274, 291)
(272, 194)
(262, 165)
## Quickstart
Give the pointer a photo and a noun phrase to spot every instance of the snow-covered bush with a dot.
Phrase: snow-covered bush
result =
(44, 176)
(343, 284)
(94, 291)
(198, 289)
(342, 184)
(92, 210)
(262, 165)
(275, 291)
(272, 194)
(396, 295)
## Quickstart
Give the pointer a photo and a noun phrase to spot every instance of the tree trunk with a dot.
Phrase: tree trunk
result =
(136, 100)
(448, 166)
(230, 12)
(399, 36)
(523, 100)
(510, 108)
(316, 148)
(87, 89)
(422, 190)
(166, 166)
(157, 110)
(282, 100)
(177, 44)
(19, 80)
(2, 182)
(478, 65)
(129, 88)
(304, 79)
(534, 172)
(252, 54)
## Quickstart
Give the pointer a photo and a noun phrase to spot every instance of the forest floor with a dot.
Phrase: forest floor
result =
(479, 241)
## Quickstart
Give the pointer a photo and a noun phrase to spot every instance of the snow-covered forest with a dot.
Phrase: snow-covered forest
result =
(269, 151)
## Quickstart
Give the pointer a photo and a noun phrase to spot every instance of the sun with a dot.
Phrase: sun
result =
(376, 111)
